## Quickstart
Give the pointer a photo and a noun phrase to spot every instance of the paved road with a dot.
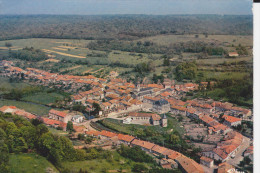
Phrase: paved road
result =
(245, 144)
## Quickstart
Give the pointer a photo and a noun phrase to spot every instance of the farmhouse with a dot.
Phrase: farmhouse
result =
(8, 109)
(233, 54)
(59, 115)
(77, 118)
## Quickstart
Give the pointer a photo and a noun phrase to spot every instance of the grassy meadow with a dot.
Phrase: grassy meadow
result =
(33, 163)
(43, 98)
(32, 108)
(102, 165)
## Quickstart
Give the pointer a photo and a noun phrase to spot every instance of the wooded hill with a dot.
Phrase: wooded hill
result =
(127, 27)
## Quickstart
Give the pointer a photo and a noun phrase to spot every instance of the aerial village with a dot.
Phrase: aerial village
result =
(211, 123)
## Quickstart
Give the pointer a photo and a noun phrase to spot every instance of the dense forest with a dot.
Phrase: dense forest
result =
(120, 26)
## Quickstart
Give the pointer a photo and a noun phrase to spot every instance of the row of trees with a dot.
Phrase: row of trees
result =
(151, 47)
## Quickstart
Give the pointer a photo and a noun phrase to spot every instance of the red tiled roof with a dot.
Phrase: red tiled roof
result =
(126, 138)
(189, 165)
(53, 122)
(159, 149)
(143, 144)
(220, 152)
(174, 155)
(231, 119)
(93, 132)
(155, 86)
(108, 134)
(180, 108)
(206, 159)
(58, 113)
(2, 109)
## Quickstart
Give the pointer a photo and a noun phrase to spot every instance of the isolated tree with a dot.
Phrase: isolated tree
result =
(70, 126)
(97, 108)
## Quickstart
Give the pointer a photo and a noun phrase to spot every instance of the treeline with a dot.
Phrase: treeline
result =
(150, 47)
(120, 26)
(28, 54)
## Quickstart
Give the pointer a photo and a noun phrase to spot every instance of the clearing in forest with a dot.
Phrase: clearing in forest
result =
(71, 68)
(52, 60)
(63, 54)
(57, 48)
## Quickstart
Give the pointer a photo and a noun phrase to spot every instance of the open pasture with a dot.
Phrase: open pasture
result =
(32, 163)
(246, 40)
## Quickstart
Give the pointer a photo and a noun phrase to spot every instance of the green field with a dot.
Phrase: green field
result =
(6, 86)
(78, 49)
(43, 98)
(100, 60)
(101, 165)
(57, 132)
(230, 39)
(29, 107)
(29, 163)
(117, 125)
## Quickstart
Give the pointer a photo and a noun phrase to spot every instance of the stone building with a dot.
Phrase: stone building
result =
(161, 106)
(145, 118)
